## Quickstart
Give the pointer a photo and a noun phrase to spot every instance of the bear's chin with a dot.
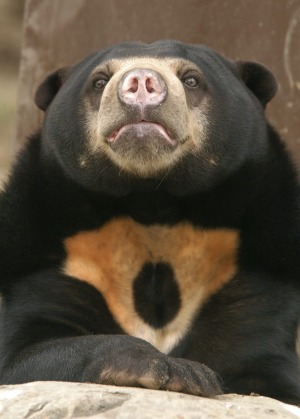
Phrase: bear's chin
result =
(143, 149)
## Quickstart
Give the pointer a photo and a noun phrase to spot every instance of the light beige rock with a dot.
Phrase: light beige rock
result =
(57, 400)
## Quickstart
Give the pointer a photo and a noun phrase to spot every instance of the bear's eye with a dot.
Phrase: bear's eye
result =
(99, 84)
(191, 82)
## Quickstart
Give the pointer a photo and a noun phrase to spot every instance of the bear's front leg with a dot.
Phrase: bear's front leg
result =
(55, 330)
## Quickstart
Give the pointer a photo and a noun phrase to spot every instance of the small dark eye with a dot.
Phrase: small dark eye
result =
(99, 84)
(191, 82)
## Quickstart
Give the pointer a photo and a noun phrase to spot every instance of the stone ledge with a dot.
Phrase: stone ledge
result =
(58, 400)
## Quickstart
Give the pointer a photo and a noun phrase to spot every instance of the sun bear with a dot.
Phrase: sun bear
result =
(150, 231)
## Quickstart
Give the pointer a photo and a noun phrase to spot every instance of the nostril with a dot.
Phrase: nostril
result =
(149, 86)
(133, 86)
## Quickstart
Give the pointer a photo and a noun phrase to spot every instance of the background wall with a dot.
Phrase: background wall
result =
(11, 13)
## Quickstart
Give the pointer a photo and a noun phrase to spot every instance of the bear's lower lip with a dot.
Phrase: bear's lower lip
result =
(142, 131)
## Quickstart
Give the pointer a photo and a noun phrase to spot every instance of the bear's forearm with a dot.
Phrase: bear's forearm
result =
(117, 360)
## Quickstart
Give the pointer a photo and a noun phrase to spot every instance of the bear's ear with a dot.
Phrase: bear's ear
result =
(49, 87)
(258, 79)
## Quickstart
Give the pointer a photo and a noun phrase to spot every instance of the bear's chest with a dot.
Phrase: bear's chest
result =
(154, 278)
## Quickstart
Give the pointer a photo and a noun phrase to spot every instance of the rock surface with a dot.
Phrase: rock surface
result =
(56, 400)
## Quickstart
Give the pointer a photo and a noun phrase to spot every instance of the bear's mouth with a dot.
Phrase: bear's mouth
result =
(143, 130)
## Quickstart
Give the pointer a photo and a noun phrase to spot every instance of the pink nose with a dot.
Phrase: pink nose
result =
(142, 87)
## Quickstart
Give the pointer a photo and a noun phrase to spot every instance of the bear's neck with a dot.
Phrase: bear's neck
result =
(257, 194)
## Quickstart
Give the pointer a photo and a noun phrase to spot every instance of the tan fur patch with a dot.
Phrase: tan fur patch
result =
(110, 258)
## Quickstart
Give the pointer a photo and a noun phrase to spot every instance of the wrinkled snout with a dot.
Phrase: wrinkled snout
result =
(142, 87)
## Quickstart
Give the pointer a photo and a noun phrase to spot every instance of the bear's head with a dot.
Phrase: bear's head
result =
(163, 115)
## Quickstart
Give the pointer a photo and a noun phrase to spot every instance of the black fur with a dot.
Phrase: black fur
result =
(156, 294)
(54, 327)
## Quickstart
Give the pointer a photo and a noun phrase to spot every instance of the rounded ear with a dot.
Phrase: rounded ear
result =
(49, 87)
(259, 79)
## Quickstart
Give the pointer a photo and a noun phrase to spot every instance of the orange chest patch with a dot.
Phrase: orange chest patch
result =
(115, 256)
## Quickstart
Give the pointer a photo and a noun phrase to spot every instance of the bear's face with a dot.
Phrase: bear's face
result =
(144, 118)
(166, 114)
